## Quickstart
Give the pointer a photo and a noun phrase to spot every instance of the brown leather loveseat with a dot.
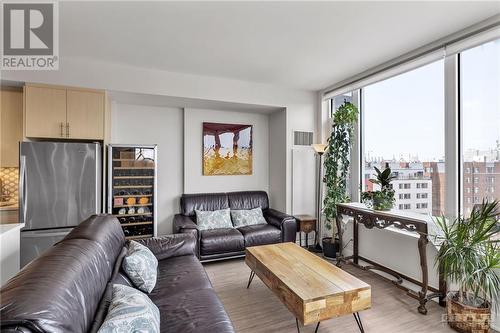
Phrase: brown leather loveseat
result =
(231, 242)
(63, 289)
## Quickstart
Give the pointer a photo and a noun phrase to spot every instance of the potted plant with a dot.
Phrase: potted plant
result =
(384, 198)
(337, 169)
(468, 257)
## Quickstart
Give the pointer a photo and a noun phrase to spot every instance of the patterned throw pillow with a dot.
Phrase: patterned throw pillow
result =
(246, 217)
(140, 264)
(130, 311)
(216, 219)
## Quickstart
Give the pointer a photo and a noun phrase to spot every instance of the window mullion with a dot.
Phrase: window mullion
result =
(453, 174)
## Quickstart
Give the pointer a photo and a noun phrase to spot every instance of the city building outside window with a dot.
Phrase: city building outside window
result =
(416, 158)
(480, 102)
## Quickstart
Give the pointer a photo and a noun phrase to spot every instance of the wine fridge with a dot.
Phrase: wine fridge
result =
(132, 187)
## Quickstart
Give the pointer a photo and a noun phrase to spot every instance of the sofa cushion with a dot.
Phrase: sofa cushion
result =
(194, 311)
(203, 201)
(105, 230)
(130, 311)
(221, 240)
(141, 265)
(248, 200)
(216, 219)
(245, 217)
(179, 274)
(260, 234)
(38, 296)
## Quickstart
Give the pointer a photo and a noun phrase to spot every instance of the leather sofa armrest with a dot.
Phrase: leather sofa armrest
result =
(286, 223)
(182, 222)
(185, 225)
(168, 246)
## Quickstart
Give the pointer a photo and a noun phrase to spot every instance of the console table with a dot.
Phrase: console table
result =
(411, 222)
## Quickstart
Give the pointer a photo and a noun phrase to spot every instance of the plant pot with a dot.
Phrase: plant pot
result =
(467, 319)
(382, 203)
(330, 247)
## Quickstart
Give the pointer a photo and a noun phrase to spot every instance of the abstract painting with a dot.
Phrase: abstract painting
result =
(227, 149)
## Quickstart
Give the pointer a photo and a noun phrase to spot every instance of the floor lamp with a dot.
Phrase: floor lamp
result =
(319, 148)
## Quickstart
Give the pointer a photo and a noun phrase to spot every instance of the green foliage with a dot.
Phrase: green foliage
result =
(379, 200)
(469, 255)
(383, 199)
(383, 178)
(337, 160)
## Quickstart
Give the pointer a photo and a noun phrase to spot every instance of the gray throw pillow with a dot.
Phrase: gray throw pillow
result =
(217, 219)
(130, 311)
(140, 265)
(246, 217)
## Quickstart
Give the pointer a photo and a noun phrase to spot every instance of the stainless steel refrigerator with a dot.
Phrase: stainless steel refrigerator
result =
(59, 186)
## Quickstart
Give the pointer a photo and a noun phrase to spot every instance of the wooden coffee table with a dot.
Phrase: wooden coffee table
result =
(311, 288)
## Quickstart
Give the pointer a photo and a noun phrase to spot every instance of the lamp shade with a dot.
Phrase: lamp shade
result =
(319, 147)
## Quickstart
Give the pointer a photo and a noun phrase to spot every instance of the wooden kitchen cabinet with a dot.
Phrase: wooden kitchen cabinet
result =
(45, 112)
(85, 114)
(63, 112)
(11, 119)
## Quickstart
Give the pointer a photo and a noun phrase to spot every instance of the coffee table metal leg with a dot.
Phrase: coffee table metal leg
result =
(252, 274)
(358, 321)
(298, 328)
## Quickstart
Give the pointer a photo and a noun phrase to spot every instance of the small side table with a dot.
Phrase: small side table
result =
(305, 224)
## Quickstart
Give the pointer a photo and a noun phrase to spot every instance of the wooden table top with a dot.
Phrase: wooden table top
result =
(305, 218)
(311, 288)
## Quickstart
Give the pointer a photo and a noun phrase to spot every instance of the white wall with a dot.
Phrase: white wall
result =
(394, 250)
(300, 105)
(140, 124)
(277, 160)
(195, 182)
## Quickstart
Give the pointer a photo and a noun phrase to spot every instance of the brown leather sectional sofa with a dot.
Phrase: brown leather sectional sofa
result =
(61, 291)
(231, 242)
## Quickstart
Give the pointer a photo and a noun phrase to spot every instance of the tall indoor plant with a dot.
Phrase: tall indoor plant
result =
(336, 164)
(468, 257)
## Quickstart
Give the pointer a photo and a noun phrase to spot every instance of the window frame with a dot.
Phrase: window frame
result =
(453, 131)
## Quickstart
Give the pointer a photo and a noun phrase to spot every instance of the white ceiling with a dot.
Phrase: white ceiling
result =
(306, 45)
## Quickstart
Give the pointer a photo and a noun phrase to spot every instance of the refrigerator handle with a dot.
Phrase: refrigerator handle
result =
(22, 189)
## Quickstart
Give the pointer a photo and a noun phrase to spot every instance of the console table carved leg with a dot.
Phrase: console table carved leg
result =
(252, 274)
(355, 245)
(422, 246)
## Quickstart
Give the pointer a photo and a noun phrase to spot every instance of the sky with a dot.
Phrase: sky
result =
(404, 115)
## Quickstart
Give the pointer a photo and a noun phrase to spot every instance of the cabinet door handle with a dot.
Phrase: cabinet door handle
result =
(62, 133)
(67, 130)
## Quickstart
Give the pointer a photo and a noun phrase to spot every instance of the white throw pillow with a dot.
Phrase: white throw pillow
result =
(246, 217)
(141, 265)
(217, 219)
(130, 311)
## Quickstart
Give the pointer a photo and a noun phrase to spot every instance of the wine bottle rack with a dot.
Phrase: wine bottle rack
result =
(132, 185)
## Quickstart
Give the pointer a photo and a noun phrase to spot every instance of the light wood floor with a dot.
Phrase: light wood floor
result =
(258, 310)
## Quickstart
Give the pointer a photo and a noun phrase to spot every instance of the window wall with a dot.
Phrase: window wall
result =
(403, 128)
(480, 104)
